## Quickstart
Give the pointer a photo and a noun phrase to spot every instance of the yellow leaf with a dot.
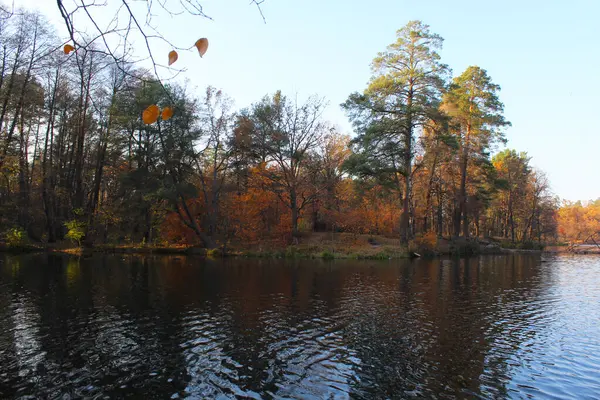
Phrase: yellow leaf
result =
(150, 114)
(68, 48)
(167, 113)
(172, 56)
(202, 46)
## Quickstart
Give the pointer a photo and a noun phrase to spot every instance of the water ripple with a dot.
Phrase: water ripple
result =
(160, 327)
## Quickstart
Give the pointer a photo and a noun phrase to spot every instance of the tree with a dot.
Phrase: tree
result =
(438, 149)
(26, 40)
(540, 220)
(102, 142)
(477, 114)
(578, 222)
(178, 137)
(333, 151)
(285, 133)
(402, 96)
(213, 160)
(513, 168)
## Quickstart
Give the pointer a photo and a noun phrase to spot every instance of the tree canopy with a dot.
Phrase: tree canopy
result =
(95, 149)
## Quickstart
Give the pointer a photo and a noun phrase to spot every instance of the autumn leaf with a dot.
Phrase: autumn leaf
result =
(68, 48)
(150, 114)
(202, 46)
(167, 113)
(172, 56)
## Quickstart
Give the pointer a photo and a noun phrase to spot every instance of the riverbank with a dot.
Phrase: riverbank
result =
(314, 245)
(577, 249)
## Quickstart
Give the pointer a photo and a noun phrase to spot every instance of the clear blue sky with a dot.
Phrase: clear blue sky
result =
(544, 54)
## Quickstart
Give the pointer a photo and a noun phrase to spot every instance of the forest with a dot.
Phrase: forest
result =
(428, 157)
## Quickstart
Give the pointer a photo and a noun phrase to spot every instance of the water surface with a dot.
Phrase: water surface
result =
(176, 327)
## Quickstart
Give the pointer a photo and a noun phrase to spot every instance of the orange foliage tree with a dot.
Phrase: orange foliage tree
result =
(578, 222)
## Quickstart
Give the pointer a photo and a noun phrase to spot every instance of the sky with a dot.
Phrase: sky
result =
(544, 54)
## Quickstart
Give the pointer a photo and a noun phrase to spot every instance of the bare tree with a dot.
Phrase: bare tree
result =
(288, 132)
(212, 161)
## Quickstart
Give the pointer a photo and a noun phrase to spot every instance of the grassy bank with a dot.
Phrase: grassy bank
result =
(313, 245)
(66, 248)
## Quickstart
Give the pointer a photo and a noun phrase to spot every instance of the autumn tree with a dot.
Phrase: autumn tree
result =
(114, 116)
(285, 132)
(328, 165)
(213, 159)
(26, 41)
(403, 94)
(540, 219)
(437, 150)
(579, 222)
(513, 169)
(179, 132)
(477, 113)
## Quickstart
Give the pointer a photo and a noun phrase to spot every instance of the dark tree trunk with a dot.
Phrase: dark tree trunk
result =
(295, 213)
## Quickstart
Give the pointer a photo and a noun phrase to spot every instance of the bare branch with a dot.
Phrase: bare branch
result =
(136, 26)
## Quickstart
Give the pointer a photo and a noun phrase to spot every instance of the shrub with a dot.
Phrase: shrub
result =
(76, 231)
(327, 255)
(216, 252)
(507, 244)
(15, 237)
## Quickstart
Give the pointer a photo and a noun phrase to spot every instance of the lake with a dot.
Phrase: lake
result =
(512, 326)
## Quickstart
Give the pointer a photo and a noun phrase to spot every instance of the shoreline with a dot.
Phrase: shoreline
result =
(289, 252)
(319, 246)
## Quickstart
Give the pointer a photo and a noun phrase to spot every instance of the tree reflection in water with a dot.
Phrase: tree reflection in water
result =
(184, 326)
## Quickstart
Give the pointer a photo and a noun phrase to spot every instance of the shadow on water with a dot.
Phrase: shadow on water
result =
(174, 326)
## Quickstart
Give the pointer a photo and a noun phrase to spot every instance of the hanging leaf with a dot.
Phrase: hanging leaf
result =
(167, 113)
(202, 46)
(172, 56)
(68, 48)
(150, 114)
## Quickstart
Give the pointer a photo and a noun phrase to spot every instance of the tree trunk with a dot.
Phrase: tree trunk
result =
(23, 177)
(191, 223)
(463, 198)
(428, 206)
(511, 222)
(440, 214)
(463, 179)
(405, 217)
(102, 146)
(295, 213)
(78, 199)
(8, 93)
(47, 164)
